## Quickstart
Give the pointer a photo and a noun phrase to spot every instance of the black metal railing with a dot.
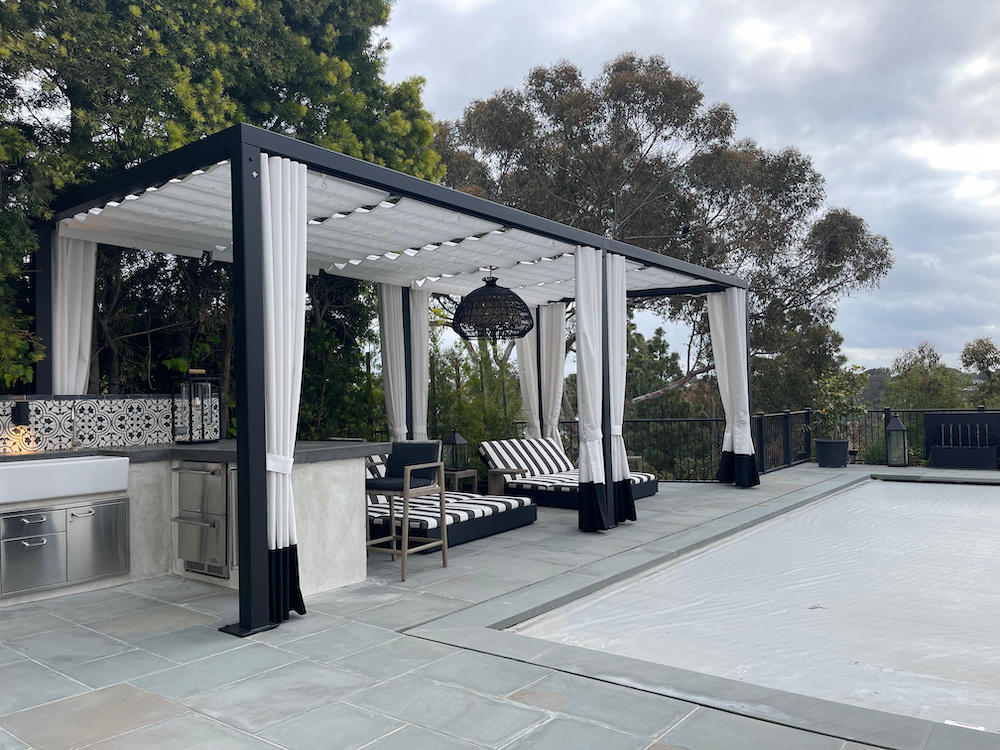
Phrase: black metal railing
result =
(689, 449)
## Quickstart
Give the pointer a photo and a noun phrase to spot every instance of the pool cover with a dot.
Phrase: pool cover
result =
(885, 596)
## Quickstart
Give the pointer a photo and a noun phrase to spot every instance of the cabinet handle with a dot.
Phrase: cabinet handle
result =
(40, 519)
(85, 514)
(39, 543)
(193, 522)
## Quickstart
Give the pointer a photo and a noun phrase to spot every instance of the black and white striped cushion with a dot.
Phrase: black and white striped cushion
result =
(534, 455)
(564, 481)
(459, 506)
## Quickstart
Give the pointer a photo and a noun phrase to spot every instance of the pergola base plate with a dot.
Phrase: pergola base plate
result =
(240, 632)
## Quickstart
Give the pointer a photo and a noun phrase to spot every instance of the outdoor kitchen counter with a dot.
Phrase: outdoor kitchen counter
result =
(223, 451)
(328, 479)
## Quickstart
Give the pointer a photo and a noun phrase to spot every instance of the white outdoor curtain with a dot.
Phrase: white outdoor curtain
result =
(74, 267)
(727, 318)
(594, 511)
(617, 323)
(527, 373)
(420, 360)
(284, 220)
(551, 326)
(390, 326)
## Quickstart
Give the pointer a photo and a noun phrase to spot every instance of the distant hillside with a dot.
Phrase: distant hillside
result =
(877, 378)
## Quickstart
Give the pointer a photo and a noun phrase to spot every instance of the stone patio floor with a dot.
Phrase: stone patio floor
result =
(142, 665)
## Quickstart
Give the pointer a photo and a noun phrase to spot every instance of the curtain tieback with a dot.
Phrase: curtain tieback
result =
(279, 464)
(616, 431)
(590, 435)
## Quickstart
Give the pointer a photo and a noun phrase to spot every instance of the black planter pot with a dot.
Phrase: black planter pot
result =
(831, 453)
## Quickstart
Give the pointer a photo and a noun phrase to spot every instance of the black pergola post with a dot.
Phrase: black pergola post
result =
(251, 444)
(538, 368)
(606, 385)
(408, 362)
(42, 293)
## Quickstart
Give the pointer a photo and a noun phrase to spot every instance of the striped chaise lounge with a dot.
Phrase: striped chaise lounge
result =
(538, 468)
(469, 516)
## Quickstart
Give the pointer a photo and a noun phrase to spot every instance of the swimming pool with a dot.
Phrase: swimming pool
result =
(886, 595)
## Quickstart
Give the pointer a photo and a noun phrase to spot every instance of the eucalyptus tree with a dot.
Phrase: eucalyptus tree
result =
(637, 154)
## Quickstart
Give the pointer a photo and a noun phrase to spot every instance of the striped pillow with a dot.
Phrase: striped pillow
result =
(534, 455)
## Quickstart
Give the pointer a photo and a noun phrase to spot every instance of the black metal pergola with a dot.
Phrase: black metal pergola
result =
(242, 147)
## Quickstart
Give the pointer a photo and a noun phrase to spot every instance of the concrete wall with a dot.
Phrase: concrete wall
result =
(330, 519)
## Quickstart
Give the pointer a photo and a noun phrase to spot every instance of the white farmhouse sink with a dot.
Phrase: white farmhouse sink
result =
(51, 478)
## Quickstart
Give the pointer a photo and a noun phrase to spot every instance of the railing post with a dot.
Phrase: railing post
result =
(808, 432)
(786, 438)
(761, 447)
(886, 416)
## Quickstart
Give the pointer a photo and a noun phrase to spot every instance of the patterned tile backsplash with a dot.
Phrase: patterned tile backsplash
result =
(106, 422)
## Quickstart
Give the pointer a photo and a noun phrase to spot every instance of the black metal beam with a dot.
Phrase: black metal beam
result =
(155, 172)
(41, 282)
(538, 368)
(251, 443)
(408, 362)
(671, 291)
(606, 384)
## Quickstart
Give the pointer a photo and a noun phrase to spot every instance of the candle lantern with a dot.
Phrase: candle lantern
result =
(896, 444)
(197, 409)
(455, 449)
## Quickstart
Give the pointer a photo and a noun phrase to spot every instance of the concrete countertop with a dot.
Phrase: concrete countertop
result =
(223, 451)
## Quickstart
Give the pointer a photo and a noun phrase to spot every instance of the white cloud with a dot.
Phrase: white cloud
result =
(758, 37)
(971, 157)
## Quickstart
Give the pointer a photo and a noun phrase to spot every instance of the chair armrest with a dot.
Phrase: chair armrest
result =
(408, 472)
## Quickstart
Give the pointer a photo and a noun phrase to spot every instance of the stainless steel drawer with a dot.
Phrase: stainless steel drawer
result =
(96, 540)
(35, 523)
(32, 562)
(201, 538)
(201, 487)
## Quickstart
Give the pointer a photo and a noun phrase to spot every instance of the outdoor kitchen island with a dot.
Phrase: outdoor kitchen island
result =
(328, 479)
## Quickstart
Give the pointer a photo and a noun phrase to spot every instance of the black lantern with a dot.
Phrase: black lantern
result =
(456, 451)
(896, 446)
(20, 414)
(197, 409)
(492, 312)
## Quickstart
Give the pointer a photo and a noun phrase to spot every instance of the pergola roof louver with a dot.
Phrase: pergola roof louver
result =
(372, 233)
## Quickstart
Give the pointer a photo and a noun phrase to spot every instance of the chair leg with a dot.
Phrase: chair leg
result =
(392, 527)
(443, 522)
(406, 532)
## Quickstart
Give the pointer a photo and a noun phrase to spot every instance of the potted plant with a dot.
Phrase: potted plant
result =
(838, 401)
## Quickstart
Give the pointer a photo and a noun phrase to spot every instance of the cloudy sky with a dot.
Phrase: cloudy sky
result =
(898, 103)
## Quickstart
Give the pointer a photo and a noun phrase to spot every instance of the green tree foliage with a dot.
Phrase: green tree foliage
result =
(637, 155)
(802, 351)
(875, 390)
(839, 402)
(981, 357)
(95, 86)
(650, 365)
(921, 380)
(472, 388)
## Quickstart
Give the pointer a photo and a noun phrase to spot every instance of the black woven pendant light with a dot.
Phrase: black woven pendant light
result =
(492, 312)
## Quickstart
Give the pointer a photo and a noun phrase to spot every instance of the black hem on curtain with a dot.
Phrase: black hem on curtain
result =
(594, 513)
(624, 501)
(283, 575)
(738, 469)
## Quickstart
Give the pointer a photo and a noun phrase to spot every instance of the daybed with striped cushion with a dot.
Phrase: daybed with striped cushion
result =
(469, 516)
(538, 468)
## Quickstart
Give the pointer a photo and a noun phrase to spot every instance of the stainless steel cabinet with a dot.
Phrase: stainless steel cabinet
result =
(96, 540)
(55, 546)
(32, 562)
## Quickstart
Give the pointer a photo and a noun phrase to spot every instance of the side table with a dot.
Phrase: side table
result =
(452, 479)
